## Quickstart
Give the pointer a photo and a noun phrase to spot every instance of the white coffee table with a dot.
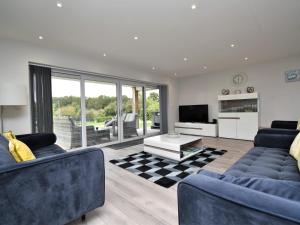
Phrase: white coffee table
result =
(175, 148)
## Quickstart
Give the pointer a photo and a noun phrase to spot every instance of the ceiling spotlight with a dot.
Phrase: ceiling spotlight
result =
(41, 37)
(104, 54)
(246, 58)
(232, 45)
(153, 68)
(194, 6)
(205, 67)
(185, 59)
(59, 4)
(136, 38)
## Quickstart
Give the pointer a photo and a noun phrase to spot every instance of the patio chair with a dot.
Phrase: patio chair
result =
(69, 134)
(129, 124)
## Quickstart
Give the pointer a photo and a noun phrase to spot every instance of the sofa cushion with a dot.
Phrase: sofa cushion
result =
(20, 151)
(266, 163)
(9, 135)
(281, 188)
(295, 148)
(5, 156)
(48, 151)
(284, 124)
(37, 141)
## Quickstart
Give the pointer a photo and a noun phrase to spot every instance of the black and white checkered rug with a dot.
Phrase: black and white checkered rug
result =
(165, 172)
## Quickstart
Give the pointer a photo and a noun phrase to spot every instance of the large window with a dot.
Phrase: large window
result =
(132, 111)
(67, 111)
(152, 110)
(101, 112)
(91, 111)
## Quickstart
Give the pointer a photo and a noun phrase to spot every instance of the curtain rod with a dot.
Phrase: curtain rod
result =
(83, 72)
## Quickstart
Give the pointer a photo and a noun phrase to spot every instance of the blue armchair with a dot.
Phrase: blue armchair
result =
(55, 189)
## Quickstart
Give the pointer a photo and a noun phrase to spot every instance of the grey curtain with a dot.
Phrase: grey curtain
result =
(163, 92)
(41, 99)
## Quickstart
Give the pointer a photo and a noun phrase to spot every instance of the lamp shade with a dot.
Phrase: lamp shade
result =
(12, 94)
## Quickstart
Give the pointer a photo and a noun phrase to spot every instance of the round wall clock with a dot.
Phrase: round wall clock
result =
(239, 79)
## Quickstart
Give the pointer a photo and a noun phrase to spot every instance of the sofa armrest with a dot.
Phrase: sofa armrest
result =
(52, 190)
(282, 141)
(278, 131)
(284, 124)
(208, 200)
(39, 140)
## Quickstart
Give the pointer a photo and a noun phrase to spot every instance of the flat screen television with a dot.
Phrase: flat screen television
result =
(193, 113)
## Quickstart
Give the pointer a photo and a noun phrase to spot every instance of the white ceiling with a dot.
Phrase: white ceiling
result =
(168, 31)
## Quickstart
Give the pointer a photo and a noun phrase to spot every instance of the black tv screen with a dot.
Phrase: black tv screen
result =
(193, 113)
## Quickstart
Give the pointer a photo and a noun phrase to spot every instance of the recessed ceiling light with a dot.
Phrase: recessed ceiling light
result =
(205, 67)
(59, 4)
(41, 37)
(232, 45)
(136, 38)
(104, 54)
(246, 58)
(185, 59)
(194, 6)
(153, 68)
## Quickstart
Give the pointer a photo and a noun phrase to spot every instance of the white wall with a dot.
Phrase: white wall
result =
(278, 99)
(14, 58)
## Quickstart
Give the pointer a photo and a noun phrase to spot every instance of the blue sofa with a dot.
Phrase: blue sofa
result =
(55, 189)
(263, 187)
(281, 127)
(282, 124)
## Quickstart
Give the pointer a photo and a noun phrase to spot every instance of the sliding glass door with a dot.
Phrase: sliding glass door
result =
(132, 116)
(152, 110)
(88, 110)
(66, 105)
(101, 112)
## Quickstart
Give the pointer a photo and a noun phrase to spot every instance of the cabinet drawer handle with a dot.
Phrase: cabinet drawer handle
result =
(193, 128)
(229, 118)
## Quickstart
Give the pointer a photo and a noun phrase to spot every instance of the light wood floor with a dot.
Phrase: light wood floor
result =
(131, 200)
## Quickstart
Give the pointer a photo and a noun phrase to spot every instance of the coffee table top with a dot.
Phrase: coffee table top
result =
(172, 143)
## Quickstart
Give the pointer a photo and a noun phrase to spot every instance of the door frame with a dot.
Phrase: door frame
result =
(83, 99)
(145, 110)
(119, 82)
(130, 83)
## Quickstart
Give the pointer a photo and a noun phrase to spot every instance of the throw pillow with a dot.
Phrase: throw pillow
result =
(295, 148)
(20, 151)
(9, 135)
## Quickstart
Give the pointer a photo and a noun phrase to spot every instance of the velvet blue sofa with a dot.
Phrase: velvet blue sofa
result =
(263, 187)
(54, 189)
(281, 127)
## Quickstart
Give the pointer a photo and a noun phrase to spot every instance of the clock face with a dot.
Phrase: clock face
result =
(239, 79)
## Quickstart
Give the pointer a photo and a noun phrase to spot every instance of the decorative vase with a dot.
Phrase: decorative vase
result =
(250, 89)
(225, 92)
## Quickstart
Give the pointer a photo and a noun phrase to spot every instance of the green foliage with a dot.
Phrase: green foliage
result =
(101, 108)
(152, 105)
(154, 96)
(127, 104)
(111, 108)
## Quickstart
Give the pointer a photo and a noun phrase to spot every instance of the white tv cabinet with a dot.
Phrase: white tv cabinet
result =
(238, 116)
(199, 129)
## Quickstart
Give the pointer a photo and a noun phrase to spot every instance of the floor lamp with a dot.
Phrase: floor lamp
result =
(11, 95)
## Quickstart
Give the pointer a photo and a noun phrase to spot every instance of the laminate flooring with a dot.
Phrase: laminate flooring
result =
(131, 200)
